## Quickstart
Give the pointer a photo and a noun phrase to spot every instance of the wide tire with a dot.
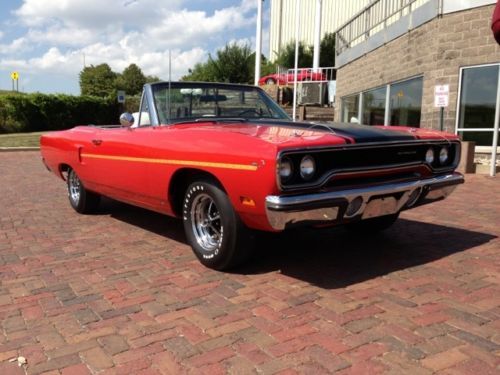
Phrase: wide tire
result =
(82, 200)
(213, 228)
(374, 225)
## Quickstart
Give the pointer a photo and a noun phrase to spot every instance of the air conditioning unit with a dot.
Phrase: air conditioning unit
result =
(311, 93)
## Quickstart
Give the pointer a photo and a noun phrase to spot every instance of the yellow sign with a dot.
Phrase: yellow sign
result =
(14, 76)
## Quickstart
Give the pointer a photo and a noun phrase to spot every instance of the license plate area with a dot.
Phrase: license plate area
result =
(380, 207)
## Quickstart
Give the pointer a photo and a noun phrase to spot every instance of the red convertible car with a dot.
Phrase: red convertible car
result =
(289, 77)
(228, 160)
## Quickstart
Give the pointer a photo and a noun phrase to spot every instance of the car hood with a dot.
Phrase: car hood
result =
(286, 134)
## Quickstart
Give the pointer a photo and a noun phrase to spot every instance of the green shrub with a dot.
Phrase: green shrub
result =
(40, 112)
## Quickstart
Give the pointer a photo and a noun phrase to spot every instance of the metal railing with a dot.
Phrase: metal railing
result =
(373, 18)
(311, 75)
(287, 77)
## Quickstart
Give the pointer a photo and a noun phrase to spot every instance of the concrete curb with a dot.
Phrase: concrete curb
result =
(13, 149)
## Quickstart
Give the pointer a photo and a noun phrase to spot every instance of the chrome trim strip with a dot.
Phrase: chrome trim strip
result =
(153, 114)
(369, 145)
(283, 211)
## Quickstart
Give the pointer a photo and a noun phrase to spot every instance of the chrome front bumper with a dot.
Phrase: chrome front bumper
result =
(331, 207)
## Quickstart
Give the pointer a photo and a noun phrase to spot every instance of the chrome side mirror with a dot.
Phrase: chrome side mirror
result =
(126, 119)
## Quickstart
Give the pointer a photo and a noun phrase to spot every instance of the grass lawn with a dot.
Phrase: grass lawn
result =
(20, 139)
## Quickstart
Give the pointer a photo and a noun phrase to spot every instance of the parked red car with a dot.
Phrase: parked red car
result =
(228, 160)
(289, 77)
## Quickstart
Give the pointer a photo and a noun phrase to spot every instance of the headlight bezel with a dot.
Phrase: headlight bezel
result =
(285, 160)
(447, 157)
(430, 156)
(307, 176)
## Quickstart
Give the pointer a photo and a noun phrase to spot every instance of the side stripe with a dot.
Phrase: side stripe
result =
(190, 163)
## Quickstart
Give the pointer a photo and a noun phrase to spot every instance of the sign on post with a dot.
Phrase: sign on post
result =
(441, 96)
(120, 96)
(15, 78)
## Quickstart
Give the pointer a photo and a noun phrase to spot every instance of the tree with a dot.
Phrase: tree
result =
(98, 80)
(201, 72)
(286, 58)
(151, 79)
(131, 80)
(266, 67)
(327, 50)
(236, 63)
(230, 64)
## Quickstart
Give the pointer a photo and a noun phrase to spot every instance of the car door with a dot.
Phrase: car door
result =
(120, 158)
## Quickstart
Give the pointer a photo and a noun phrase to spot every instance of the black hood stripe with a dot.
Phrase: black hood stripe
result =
(360, 133)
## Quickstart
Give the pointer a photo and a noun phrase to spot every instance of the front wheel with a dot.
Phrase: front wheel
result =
(213, 229)
(82, 200)
(374, 225)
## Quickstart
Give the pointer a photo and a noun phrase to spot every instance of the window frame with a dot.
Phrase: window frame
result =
(387, 116)
(480, 149)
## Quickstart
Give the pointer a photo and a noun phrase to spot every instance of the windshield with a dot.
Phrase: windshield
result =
(189, 101)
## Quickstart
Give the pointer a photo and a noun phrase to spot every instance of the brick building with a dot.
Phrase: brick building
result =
(391, 56)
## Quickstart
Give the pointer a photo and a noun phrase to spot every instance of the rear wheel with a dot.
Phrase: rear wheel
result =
(82, 200)
(374, 225)
(213, 229)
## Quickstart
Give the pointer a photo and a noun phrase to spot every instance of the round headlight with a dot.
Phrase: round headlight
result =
(307, 167)
(429, 156)
(285, 169)
(443, 155)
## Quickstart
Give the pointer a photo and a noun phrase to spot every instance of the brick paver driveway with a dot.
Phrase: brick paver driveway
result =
(121, 292)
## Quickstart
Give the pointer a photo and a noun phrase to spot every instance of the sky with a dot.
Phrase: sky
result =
(48, 41)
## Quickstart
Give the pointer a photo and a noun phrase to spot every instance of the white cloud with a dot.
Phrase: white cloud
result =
(16, 46)
(120, 32)
(71, 63)
(93, 13)
(62, 36)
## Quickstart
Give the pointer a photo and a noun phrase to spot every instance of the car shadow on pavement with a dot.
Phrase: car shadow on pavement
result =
(335, 258)
(150, 221)
(328, 258)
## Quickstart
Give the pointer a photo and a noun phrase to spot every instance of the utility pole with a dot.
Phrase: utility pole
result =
(317, 36)
(297, 34)
(258, 42)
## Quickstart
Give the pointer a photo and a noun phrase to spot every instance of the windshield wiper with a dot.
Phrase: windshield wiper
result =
(221, 119)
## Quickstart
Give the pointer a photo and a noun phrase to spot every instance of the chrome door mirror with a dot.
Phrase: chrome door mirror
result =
(126, 119)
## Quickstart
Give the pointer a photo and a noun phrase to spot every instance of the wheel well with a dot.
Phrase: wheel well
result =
(180, 181)
(63, 170)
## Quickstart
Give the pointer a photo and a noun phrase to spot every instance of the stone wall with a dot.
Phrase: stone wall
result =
(437, 50)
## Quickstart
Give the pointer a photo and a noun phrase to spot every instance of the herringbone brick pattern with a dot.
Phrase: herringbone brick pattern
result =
(120, 292)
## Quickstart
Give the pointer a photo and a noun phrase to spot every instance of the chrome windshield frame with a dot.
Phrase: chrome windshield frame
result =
(148, 93)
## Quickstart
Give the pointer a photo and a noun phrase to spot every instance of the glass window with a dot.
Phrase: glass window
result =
(478, 103)
(478, 97)
(374, 106)
(144, 115)
(406, 102)
(350, 107)
(190, 101)
(484, 138)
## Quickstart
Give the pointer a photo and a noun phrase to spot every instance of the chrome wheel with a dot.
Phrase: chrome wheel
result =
(206, 222)
(74, 187)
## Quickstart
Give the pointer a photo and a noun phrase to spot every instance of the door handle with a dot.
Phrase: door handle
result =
(97, 142)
